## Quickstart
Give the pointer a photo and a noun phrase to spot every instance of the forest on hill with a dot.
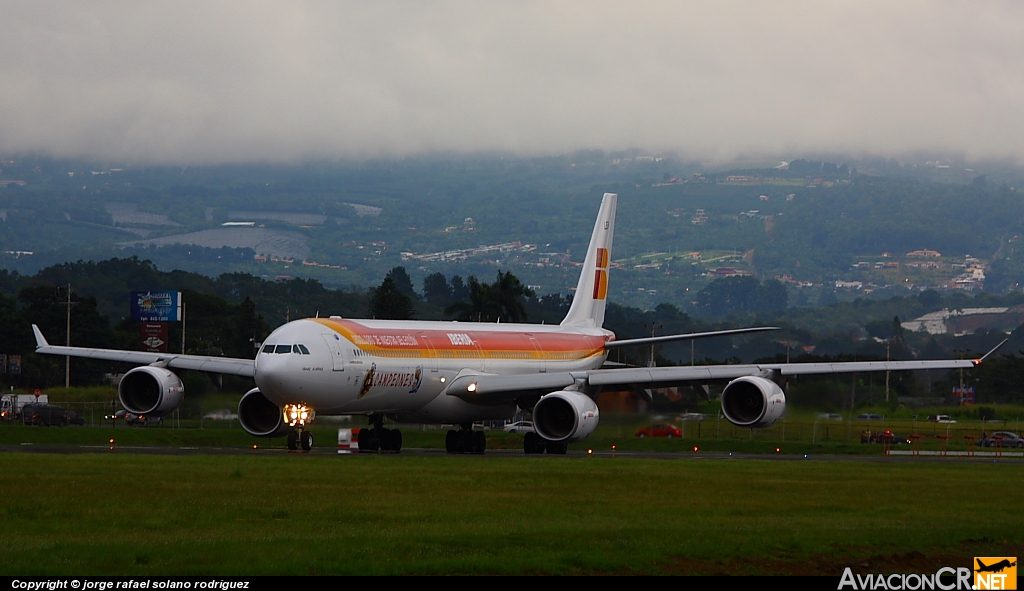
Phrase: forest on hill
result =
(231, 314)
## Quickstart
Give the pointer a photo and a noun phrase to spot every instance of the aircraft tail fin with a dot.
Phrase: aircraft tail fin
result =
(592, 290)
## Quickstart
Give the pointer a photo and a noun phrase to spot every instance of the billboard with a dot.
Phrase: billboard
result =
(965, 395)
(154, 337)
(156, 306)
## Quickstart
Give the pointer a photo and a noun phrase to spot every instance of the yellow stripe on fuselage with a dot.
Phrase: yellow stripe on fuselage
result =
(474, 343)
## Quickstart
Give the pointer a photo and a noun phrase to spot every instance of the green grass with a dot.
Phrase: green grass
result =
(308, 514)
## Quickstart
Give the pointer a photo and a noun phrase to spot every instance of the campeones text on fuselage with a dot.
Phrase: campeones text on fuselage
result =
(457, 373)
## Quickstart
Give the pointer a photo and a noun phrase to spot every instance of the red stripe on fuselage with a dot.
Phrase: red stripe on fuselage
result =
(449, 342)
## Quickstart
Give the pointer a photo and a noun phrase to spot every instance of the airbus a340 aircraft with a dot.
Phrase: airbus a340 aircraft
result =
(456, 373)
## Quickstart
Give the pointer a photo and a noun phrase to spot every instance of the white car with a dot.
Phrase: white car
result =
(518, 427)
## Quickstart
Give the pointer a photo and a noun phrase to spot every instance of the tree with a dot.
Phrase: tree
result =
(402, 281)
(388, 303)
(508, 293)
(436, 289)
(499, 301)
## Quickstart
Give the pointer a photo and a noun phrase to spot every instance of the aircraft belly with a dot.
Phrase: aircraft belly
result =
(452, 410)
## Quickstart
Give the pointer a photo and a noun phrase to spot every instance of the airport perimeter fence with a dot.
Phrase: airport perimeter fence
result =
(920, 432)
(897, 432)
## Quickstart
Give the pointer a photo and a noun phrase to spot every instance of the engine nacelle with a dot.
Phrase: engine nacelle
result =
(261, 417)
(753, 402)
(150, 391)
(565, 416)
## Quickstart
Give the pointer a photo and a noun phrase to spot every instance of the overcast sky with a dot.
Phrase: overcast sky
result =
(194, 82)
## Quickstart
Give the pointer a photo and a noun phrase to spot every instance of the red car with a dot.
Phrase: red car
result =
(660, 430)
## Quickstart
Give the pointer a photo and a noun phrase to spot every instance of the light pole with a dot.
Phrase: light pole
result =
(67, 359)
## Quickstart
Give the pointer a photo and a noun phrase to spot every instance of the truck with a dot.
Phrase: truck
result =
(11, 404)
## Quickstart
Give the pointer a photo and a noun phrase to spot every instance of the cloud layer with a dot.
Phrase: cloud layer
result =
(195, 82)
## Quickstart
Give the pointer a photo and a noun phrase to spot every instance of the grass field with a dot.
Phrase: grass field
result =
(389, 514)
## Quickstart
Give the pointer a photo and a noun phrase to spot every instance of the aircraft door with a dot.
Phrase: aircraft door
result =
(430, 353)
(542, 362)
(336, 346)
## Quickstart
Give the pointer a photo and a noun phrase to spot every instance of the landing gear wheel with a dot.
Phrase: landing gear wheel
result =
(533, 444)
(479, 442)
(369, 440)
(293, 440)
(556, 448)
(390, 440)
(306, 439)
(450, 440)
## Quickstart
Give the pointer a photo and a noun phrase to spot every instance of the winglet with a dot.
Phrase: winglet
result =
(989, 354)
(40, 339)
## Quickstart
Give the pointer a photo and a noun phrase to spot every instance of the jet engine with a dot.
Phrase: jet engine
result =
(261, 417)
(150, 391)
(753, 402)
(565, 416)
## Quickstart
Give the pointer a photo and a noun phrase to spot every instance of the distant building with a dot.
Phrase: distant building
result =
(924, 253)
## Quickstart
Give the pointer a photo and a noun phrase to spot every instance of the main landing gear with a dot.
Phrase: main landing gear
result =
(379, 438)
(300, 438)
(535, 444)
(465, 441)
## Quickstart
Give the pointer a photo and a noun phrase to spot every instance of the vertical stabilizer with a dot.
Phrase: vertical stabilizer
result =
(592, 290)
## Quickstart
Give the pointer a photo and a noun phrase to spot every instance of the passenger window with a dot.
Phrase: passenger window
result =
(302, 348)
(268, 348)
(284, 349)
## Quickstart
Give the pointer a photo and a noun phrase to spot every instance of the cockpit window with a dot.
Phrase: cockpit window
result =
(268, 348)
(302, 348)
(284, 349)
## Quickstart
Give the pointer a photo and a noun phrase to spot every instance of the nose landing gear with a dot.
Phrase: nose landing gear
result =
(303, 439)
(298, 416)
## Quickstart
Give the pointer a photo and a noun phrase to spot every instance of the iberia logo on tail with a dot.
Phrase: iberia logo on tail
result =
(601, 276)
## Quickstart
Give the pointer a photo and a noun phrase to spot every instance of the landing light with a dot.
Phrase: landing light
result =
(298, 415)
(471, 387)
(443, 379)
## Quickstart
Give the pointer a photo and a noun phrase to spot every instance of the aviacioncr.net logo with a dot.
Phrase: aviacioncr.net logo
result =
(944, 579)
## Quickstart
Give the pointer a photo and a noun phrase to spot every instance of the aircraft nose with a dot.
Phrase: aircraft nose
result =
(272, 373)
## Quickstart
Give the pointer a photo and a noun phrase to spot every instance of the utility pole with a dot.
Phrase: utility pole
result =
(182, 327)
(887, 358)
(654, 328)
(67, 359)
(960, 355)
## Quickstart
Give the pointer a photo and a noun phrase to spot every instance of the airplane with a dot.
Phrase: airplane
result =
(994, 568)
(457, 373)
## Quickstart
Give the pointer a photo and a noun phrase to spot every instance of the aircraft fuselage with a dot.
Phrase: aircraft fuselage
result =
(401, 368)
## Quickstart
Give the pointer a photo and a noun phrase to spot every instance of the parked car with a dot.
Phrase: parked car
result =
(659, 430)
(133, 420)
(831, 416)
(940, 419)
(1002, 439)
(75, 419)
(882, 437)
(518, 427)
(868, 416)
(44, 415)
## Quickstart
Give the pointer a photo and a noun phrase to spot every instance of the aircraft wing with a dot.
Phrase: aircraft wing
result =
(223, 365)
(495, 389)
(686, 337)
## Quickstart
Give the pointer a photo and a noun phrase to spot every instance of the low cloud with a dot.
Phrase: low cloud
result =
(199, 82)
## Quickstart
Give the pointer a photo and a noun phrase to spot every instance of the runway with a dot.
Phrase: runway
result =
(274, 451)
